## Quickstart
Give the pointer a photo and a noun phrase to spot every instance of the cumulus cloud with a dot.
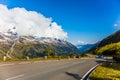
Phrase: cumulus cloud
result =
(29, 23)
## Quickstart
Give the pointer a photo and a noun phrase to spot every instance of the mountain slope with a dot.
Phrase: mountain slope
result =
(110, 49)
(114, 38)
(15, 46)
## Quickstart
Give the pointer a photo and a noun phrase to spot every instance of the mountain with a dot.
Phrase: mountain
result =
(86, 47)
(114, 38)
(15, 46)
(109, 45)
(112, 50)
(109, 49)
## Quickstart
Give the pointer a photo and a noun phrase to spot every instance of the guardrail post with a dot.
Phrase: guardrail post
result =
(46, 57)
(4, 58)
(27, 58)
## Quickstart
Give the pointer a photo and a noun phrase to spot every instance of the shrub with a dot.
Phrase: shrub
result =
(116, 57)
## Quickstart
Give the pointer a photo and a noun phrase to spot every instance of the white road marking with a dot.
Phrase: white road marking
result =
(14, 77)
(7, 64)
(45, 61)
(24, 62)
(38, 61)
(89, 71)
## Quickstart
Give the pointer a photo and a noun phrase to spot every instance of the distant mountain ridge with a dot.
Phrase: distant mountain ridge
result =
(86, 47)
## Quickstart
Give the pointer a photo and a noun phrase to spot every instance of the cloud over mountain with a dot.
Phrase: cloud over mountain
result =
(29, 23)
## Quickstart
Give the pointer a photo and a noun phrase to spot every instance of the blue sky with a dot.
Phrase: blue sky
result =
(83, 20)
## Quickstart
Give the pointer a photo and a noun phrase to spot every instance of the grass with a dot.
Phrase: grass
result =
(36, 59)
(107, 71)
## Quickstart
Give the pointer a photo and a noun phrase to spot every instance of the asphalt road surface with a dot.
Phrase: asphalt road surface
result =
(46, 70)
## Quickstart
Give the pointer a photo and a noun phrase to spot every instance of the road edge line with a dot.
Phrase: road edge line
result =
(89, 71)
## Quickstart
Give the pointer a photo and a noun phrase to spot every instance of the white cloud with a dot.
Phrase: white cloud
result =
(115, 25)
(84, 43)
(81, 42)
(29, 23)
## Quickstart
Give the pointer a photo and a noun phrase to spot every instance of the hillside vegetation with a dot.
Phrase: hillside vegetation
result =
(110, 49)
(37, 50)
(40, 50)
(109, 46)
(113, 38)
(106, 71)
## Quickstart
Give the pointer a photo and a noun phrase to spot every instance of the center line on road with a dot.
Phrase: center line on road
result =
(24, 62)
(7, 64)
(37, 61)
(14, 77)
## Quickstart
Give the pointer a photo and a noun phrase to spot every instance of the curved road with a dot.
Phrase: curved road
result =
(46, 70)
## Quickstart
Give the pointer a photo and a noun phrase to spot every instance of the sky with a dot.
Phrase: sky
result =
(79, 21)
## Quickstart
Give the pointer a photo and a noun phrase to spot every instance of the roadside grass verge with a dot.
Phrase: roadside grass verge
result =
(36, 59)
(107, 71)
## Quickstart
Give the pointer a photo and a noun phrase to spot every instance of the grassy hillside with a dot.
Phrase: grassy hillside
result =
(113, 38)
(110, 49)
(106, 71)
(108, 46)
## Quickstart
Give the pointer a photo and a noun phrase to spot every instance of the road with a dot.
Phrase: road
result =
(46, 70)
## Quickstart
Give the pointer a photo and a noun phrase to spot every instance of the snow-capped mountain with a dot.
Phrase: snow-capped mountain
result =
(11, 36)
(15, 45)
